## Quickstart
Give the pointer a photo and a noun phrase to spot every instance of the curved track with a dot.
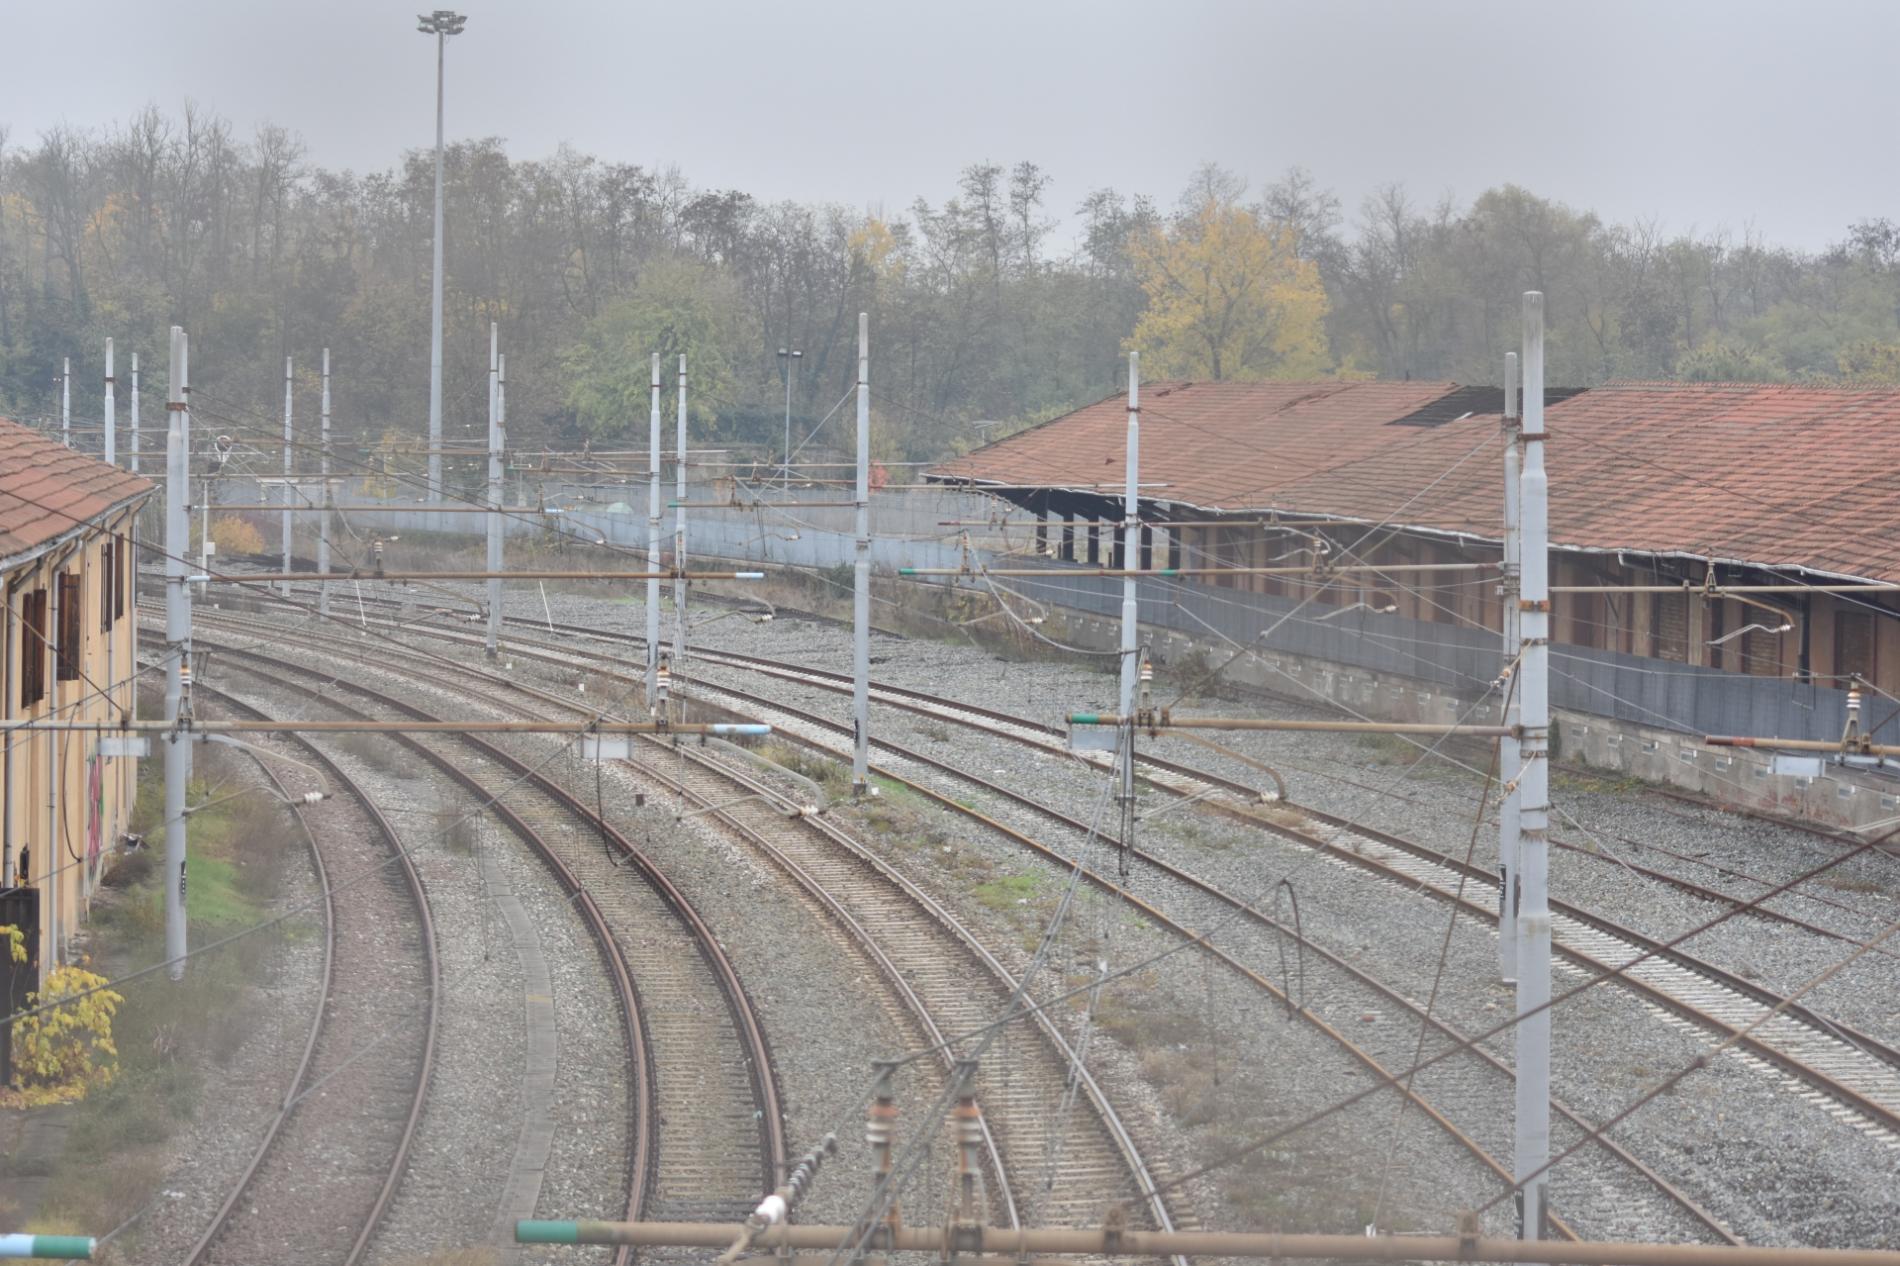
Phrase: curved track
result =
(1481, 1091)
(1858, 1072)
(945, 977)
(388, 1087)
(710, 1139)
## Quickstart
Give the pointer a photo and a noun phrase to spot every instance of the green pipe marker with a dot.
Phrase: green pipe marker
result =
(69, 1248)
(535, 1231)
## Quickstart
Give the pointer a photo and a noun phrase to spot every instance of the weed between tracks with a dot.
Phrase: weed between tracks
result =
(173, 1037)
(1312, 1182)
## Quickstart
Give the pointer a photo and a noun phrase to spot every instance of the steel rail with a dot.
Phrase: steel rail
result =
(1156, 915)
(1006, 725)
(640, 1102)
(426, 1062)
(1162, 919)
(757, 1054)
(1045, 738)
(1118, 1132)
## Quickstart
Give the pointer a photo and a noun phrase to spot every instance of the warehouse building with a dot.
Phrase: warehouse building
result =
(1693, 487)
(67, 559)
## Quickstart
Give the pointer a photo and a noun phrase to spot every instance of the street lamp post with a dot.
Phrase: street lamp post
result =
(789, 358)
(442, 23)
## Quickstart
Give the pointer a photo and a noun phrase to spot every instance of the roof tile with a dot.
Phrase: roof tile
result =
(46, 489)
(1774, 475)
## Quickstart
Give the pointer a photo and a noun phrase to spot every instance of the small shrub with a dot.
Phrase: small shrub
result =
(131, 868)
(62, 1052)
(233, 535)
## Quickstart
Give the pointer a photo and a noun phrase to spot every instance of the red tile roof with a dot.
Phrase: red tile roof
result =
(1780, 476)
(47, 489)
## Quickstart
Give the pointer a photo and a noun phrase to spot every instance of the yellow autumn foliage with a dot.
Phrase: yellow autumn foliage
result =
(1228, 298)
(62, 1052)
(233, 535)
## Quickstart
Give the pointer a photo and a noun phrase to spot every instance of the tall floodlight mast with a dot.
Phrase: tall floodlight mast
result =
(441, 24)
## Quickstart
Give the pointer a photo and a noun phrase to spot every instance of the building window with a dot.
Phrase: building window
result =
(32, 648)
(1854, 644)
(1761, 653)
(71, 604)
(1669, 622)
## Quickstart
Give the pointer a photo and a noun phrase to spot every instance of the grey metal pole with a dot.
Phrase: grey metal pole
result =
(1131, 559)
(653, 542)
(861, 578)
(435, 304)
(679, 527)
(788, 416)
(493, 641)
(325, 499)
(66, 401)
(177, 647)
(1508, 751)
(287, 442)
(135, 413)
(112, 411)
(1533, 920)
(55, 569)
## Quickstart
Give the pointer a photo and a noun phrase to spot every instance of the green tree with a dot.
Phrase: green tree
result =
(678, 307)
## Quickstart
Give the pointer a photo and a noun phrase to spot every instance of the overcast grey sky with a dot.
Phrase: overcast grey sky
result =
(1700, 114)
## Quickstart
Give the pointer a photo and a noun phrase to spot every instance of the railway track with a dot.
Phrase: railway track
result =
(1481, 1087)
(1857, 1073)
(946, 978)
(929, 960)
(377, 1017)
(1851, 1070)
(711, 1136)
(1589, 853)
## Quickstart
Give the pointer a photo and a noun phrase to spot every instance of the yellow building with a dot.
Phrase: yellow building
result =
(68, 563)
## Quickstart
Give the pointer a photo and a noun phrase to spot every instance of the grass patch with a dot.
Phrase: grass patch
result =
(1196, 836)
(173, 1037)
(833, 776)
(892, 792)
(1008, 892)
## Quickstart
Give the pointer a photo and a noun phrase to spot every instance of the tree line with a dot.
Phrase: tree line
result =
(984, 315)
